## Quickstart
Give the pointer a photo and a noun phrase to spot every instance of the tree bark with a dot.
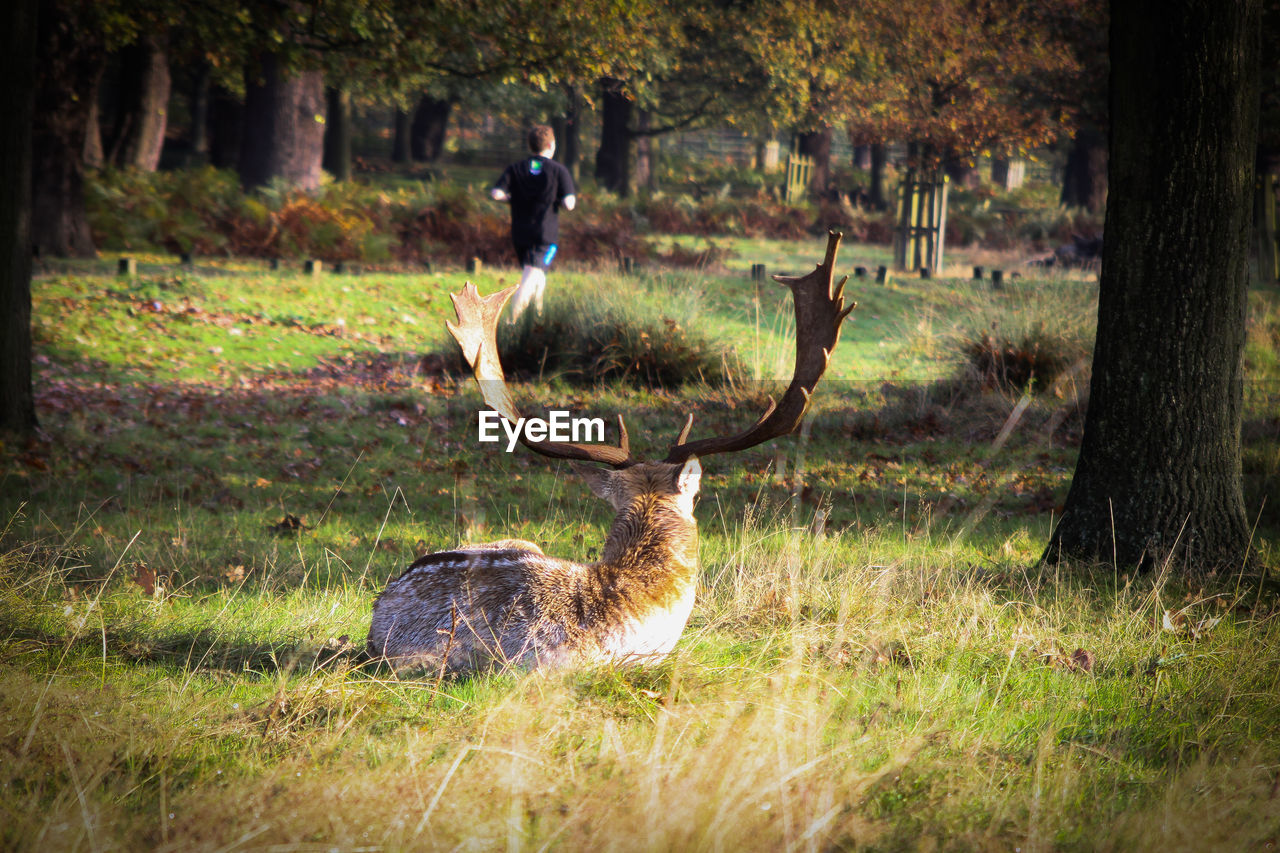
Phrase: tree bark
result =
(69, 62)
(879, 198)
(1267, 169)
(642, 173)
(613, 158)
(400, 137)
(198, 138)
(1084, 177)
(17, 102)
(337, 134)
(226, 128)
(569, 132)
(283, 126)
(1158, 476)
(430, 126)
(94, 156)
(817, 144)
(142, 105)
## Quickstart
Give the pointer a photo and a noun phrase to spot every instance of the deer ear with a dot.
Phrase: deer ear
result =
(689, 477)
(599, 480)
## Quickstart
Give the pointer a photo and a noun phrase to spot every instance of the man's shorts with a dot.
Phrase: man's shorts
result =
(536, 256)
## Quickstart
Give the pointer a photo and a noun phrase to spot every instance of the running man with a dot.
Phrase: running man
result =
(537, 187)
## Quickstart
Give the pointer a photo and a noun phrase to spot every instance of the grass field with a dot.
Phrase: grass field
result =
(234, 461)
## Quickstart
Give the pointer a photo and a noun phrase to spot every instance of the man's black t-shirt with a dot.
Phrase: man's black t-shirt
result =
(536, 186)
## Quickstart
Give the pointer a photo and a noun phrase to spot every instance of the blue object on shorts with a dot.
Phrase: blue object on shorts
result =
(551, 253)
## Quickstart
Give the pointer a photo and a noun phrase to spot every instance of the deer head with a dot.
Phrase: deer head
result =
(507, 602)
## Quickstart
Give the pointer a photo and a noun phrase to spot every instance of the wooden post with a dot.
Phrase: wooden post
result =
(925, 272)
(977, 273)
(882, 275)
(185, 259)
(474, 265)
(758, 273)
(127, 267)
(941, 224)
(859, 272)
(273, 264)
(628, 265)
(313, 268)
(997, 279)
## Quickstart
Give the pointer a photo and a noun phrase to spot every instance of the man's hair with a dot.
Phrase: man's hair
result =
(541, 138)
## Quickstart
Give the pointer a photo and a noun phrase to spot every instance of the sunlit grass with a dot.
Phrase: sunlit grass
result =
(876, 659)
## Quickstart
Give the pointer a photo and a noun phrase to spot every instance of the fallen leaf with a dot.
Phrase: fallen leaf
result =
(145, 577)
(288, 525)
(1083, 660)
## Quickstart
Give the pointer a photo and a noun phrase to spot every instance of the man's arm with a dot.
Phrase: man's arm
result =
(500, 190)
(569, 197)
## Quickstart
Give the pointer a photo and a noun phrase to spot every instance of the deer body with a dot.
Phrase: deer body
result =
(507, 603)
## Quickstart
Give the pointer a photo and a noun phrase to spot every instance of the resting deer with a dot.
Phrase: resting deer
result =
(507, 603)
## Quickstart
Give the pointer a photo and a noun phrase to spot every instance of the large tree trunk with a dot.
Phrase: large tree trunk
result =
(283, 126)
(1084, 177)
(568, 138)
(1159, 469)
(430, 126)
(337, 134)
(817, 144)
(198, 138)
(70, 57)
(642, 173)
(94, 156)
(226, 128)
(142, 105)
(1267, 170)
(400, 137)
(879, 198)
(613, 158)
(18, 73)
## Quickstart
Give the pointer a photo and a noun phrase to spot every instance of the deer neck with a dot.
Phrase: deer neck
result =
(653, 535)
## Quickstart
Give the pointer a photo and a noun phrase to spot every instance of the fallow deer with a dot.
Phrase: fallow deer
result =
(507, 603)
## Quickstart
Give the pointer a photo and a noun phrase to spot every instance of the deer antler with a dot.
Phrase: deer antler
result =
(476, 334)
(819, 312)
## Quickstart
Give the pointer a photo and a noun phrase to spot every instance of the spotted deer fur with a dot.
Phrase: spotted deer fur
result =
(507, 603)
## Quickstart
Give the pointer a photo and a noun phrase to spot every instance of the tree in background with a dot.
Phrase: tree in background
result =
(1084, 88)
(813, 53)
(700, 64)
(961, 79)
(137, 85)
(1268, 159)
(1158, 474)
(71, 49)
(17, 102)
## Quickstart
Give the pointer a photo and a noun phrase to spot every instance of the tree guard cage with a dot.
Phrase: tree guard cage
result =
(921, 222)
(799, 169)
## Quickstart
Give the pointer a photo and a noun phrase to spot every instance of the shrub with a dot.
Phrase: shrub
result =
(616, 336)
(1028, 335)
(1030, 360)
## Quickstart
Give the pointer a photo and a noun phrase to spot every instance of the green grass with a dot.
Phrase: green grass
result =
(875, 659)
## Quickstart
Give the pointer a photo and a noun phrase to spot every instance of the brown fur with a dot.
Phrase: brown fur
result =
(507, 603)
